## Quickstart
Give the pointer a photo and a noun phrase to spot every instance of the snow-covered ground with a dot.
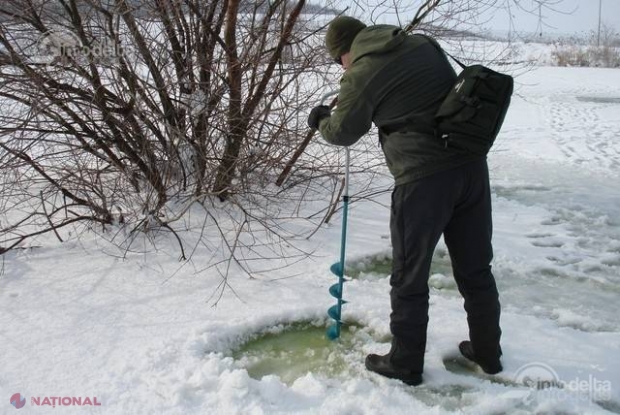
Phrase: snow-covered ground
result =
(142, 334)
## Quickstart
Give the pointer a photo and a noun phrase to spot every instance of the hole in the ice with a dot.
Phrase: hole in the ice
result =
(291, 351)
(294, 350)
(380, 266)
(375, 266)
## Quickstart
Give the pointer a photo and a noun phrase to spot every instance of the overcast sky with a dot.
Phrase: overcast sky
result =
(583, 17)
(570, 17)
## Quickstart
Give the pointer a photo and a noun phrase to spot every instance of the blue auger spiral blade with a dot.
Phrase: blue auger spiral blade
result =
(334, 312)
(337, 270)
(336, 290)
(333, 332)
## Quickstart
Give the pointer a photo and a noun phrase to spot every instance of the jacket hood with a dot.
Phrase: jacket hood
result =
(376, 39)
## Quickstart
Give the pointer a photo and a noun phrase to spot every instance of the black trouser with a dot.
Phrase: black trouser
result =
(456, 203)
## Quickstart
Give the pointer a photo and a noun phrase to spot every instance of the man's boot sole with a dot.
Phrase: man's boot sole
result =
(468, 352)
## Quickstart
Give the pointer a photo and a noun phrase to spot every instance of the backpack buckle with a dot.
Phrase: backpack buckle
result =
(471, 101)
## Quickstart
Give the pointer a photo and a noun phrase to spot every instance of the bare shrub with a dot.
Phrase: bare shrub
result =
(124, 116)
(114, 108)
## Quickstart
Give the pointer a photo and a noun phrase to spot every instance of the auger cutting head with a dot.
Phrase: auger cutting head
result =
(335, 311)
(333, 331)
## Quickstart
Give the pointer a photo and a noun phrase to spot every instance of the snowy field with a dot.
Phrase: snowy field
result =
(144, 337)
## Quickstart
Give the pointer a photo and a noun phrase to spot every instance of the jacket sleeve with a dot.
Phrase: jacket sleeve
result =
(352, 117)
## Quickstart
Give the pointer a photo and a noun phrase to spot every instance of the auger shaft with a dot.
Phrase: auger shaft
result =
(336, 290)
(338, 268)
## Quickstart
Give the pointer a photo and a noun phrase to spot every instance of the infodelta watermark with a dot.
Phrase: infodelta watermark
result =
(63, 47)
(19, 401)
(544, 379)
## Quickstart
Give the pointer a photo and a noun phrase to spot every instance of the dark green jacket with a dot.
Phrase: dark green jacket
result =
(398, 82)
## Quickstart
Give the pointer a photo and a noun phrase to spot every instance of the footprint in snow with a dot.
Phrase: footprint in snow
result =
(536, 235)
(548, 243)
(611, 262)
(545, 240)
(554, 220)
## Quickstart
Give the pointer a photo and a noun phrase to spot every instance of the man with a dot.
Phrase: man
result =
(398, 81)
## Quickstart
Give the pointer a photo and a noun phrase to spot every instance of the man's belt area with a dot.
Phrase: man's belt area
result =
(409, 128)
(405, 127)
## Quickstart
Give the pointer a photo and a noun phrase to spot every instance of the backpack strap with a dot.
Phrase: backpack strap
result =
(439, 48)
(404, 125)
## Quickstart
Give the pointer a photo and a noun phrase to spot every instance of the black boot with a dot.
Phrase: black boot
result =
(382, 366)
(403, 362)
(490, 365)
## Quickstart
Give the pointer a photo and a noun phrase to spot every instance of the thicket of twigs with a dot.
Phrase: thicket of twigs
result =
(112, 109)
(119, 113)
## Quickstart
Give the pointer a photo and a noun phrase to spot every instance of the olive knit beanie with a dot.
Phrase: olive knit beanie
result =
(340, 34)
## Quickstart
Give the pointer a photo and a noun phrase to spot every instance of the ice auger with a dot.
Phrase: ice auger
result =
(335, 311)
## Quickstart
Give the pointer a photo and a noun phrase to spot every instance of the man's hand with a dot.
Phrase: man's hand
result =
(317, 114)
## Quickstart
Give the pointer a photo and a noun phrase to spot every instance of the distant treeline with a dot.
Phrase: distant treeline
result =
(141, 9)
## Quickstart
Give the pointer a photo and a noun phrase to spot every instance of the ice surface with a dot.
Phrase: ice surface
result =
(139, 331)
